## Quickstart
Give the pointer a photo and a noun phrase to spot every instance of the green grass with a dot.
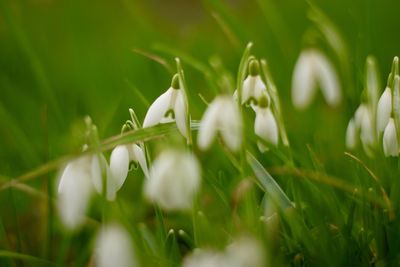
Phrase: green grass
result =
(309, 201)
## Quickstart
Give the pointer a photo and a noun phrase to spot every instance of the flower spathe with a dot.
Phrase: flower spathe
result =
(121, 156)
(222, 116)
(113, 248)
(174, 180)
(169, 106)
(390, 142)
(265, 127)
(314, 69)
(384, 109)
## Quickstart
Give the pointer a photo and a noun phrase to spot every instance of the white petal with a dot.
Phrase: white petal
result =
(328, 79)
(180, 110)
(119, 165)
(174, 179)
(351, 135)
(114, 248)
(265, 126)
(208, 124)
(253, 88)
(96, 173)
(359, 114)
(367, 133)
(384, 109)
(74, 193)
(205, 258)
(390, 143)
(139, 156)
(230, 124)
(245, 251)
(304, 81)
(158, 109)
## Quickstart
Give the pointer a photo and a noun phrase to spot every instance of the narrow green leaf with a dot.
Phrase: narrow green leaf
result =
(27, 258)
(268, 183)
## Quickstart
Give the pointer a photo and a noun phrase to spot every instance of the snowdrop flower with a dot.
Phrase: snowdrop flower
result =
(384, 109)
(243, 252)
(222, 116)
(114, 248)
(121, 157)
(174, 180)
(313, 69)
(205, 258)
(75, 189)
(390, 143)
(363, 119)
(351, 135)
(168, 107)
(253, 86)
(265, 125)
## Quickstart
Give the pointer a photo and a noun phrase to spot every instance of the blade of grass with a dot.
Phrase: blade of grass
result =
(268, 183)
(26, 258)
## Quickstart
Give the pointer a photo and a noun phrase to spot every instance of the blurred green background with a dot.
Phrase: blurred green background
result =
(62, 60)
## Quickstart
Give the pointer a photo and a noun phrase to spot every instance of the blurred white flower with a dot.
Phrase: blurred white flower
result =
(75, 189)
(384, 109)
(314, 69)
(174, 180)
(222, 116)
(390, 143)
(121, 156)
(265, 127)
(243, 252)
(114, 248)
(205, 258)
(351, 135)
(363, 118)
(168, 107)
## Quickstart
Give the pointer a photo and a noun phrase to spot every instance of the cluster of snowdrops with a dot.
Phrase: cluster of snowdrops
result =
(173, 179)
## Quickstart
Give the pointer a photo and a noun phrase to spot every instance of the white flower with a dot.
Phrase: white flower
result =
(390, 143)
(205, 258)
(169, 106)
(75, 189)
(222, 116)
(114, 248)
(121, 156)
(313, 69)
(351, 135)
(243, 252)
(363, 118)
(174, 180)
(384, 109)
(265, 127)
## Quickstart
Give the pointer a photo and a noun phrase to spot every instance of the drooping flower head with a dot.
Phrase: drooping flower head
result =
(114, 248)
(384, 110)
(390, 142)
(221, 117)
(253, 85)
(314, 69)
(174, 180)
(168, 107)
(265, 125)
(80, 178)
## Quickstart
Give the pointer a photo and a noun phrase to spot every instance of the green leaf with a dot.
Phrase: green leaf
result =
(24, 257)
(268, 183)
